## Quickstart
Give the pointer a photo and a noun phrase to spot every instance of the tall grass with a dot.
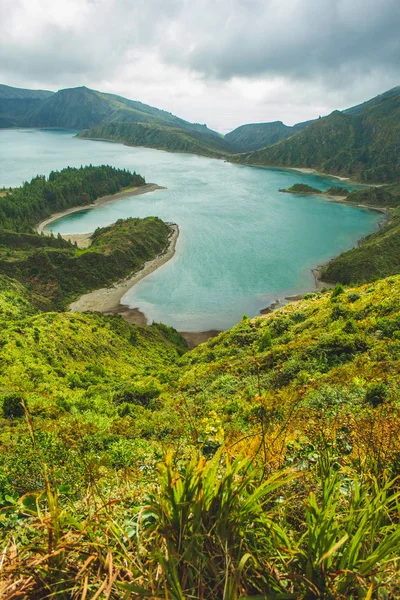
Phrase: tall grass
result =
(215, 529)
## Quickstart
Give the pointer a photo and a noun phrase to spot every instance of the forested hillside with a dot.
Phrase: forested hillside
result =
(82, 108)
(363, 146)
(60, 272)
(163, 138)
(258, 135)
(15, 103)
(22, 208)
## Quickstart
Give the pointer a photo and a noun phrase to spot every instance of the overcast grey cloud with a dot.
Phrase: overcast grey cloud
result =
(224, 62)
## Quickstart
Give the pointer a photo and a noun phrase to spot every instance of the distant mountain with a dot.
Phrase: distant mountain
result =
(254, 136)
(173, 139)
(10, 93)
(15, 103)
(364, 146)
(82, 108)
(361, 141)
(258, 135)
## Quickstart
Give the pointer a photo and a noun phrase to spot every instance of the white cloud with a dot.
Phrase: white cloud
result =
(223, 62)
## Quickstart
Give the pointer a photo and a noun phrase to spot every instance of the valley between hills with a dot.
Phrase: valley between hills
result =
(263, 463)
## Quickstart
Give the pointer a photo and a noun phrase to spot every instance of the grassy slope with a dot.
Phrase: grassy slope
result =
(163, 138)
(305, 363)
(319, 377)
(17, 302)
(363, 146)
(61, 272)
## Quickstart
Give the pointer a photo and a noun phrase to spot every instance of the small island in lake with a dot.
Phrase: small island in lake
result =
(302, 188)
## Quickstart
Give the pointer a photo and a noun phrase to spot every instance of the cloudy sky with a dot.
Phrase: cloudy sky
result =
(220, 62)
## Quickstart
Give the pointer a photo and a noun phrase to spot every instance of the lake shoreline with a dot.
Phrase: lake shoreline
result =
(112, 305)
(83, 239)
(108, 300)
(320, 284)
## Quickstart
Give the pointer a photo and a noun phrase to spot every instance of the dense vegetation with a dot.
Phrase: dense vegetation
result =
(254, 136)
(384, 196)
(82, 108)
(303, 188)
(163, 138)
(61, 272)
(258, 135)
(22, 208)
(364, 146)
(377, 255)
(282, 437)
(15, 103)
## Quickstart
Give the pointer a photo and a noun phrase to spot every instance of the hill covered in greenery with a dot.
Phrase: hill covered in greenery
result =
(22, 208)
(59, 271)
(163, 138)
(254, 136)
(363, 146)
(282, 439)
(377, 255)
(83, 108)
(15, 103)
(258, 135)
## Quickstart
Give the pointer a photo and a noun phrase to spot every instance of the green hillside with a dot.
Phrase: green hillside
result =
(83, 108)
(15, 103)
(21, 209)
(163, 138)
(363, 146)
(377, 255)
(254, 136)
(282, 437)
(258, 135)
(360, 108)
(61, 272)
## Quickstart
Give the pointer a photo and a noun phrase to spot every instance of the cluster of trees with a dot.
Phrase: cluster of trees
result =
(22, 208)
(153, 135)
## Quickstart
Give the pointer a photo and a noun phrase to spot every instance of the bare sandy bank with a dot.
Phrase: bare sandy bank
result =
(108, 300)
(83, 239)
(309, 171)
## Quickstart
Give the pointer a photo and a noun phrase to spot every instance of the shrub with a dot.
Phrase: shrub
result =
(338, 312)
(353, 297)
(376, 394)
(265, 341)
(140, 394)
(338, 290)
(12, 406)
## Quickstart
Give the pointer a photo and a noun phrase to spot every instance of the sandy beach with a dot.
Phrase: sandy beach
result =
(108, 300)
(309, 171)
(83, 239)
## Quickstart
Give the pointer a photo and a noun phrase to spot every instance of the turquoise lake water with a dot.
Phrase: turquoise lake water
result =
(242, 243)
